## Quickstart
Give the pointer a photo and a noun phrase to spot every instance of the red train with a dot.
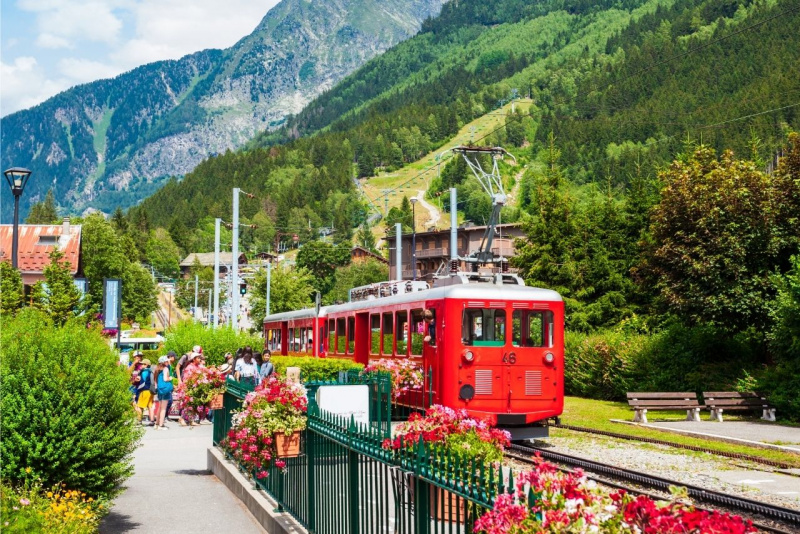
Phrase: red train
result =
(498, 350)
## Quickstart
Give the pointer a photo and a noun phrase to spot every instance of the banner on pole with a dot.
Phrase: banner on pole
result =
(112, 302)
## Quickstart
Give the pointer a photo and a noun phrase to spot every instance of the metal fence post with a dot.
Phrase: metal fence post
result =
(352, 477)
(422, 495)
(310, 477)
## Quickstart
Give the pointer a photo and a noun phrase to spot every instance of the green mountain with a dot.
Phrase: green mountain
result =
(113, 142)
(621, 84)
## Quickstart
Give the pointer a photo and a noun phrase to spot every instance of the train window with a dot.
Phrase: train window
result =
(532, 328)
(291, 340)
(417, 332)
(402, 333)
(340, 336)
(351, 335)
(484, 328)
(331, 336)
(375, 334)
(309, 340)
(388, 334)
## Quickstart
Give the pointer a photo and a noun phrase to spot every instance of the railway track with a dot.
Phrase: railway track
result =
(604, 472)
(737, 456)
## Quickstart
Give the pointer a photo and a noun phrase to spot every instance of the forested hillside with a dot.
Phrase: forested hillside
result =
(658, 181)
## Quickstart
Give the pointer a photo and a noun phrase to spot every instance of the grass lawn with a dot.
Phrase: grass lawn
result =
(598, 414)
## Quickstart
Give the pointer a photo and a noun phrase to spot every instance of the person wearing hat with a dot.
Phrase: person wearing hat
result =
(136, 357)
(143, 395)
(164, 381)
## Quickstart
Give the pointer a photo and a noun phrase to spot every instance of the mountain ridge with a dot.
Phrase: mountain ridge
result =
(115, 141)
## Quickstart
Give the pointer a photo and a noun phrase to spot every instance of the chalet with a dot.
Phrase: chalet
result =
(361, 254)
(36, 242)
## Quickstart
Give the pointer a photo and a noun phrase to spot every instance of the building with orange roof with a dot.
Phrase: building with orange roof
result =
(36, 242)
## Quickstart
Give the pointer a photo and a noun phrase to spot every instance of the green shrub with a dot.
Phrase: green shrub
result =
(600, 365)
(781, 385)
(314, 369)
(67, 414)
(700, 358)
(215, 342)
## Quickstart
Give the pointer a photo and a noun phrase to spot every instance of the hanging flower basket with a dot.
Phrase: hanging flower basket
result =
(217, 402)
(287, 445)
(447, 506)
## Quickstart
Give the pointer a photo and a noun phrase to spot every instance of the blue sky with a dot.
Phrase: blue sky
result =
(47, 46)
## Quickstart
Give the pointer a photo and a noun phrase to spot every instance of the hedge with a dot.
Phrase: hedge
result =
(215, 342)
(314, 369)
(67, 414)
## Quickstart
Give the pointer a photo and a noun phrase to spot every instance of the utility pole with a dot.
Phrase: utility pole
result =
(269, 283)
(235, 261)
(195, 296)
(217, 222)
(208, 310)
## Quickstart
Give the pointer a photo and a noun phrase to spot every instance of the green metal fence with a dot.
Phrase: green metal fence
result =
(344, 481)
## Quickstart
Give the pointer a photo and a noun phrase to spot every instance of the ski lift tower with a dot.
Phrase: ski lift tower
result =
(493, 185)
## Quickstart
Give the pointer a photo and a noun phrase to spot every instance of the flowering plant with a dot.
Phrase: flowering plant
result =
(250, 448)
(569, 502)
(276, 405)
(452, 431)
(404, 374)
(200, 386)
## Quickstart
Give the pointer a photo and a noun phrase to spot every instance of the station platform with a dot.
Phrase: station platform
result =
(755, 433)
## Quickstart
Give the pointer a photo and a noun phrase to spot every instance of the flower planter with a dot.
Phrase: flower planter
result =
(447, 506)
(287, 445)
(216, 402)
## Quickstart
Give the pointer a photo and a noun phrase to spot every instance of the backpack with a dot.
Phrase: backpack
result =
(153, 382)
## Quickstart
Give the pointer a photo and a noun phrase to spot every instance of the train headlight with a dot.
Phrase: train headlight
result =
(466, 392)
(468, 355)
(549, 357)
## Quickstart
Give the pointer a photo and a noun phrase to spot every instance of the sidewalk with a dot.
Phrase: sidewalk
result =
(173, 491)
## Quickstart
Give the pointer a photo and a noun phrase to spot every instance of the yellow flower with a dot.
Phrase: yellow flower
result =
(27, 469)
(49, 494)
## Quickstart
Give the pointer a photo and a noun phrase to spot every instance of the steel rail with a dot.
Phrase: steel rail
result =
(737, 456)
(779, 513)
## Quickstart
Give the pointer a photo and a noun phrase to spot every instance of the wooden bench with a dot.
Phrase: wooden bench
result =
(719, 401)
(641, 402)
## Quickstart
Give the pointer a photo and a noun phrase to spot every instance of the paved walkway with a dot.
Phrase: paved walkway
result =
(173, 491)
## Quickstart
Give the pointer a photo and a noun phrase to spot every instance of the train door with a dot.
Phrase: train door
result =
(432, 351)
(484, 329)
(362, 338)
(531, 362)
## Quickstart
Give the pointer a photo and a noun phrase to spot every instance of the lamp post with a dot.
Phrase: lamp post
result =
(16, 177)
(413, 238)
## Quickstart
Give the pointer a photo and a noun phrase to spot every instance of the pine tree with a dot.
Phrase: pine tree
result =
(10, 288)
(44, 212)
(365, 238)
(61, 297)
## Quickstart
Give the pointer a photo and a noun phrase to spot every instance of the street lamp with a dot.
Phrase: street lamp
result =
(16, 177)
(414, 237)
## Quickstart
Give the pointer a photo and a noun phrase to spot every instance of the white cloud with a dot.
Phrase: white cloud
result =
(170, 29)
(78, 41)
(25, 85)
(84, 70)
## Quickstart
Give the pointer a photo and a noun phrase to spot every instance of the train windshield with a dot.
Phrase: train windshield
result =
(484, 327)
(532, 328)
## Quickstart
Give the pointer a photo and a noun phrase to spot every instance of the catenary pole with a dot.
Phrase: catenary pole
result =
(269, 283)
(217, 223)
(235, 262)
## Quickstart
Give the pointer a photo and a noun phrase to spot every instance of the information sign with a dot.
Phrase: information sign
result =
(346, 401)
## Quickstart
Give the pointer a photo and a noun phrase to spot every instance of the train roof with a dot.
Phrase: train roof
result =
(466, 291)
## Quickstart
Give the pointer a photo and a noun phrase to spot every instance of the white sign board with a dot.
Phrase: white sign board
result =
(345, 401)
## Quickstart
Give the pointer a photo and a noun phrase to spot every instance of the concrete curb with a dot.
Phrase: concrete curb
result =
(260, 504)
(715, 437)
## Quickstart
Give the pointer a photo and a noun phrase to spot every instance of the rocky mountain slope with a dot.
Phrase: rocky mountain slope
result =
(113, 142)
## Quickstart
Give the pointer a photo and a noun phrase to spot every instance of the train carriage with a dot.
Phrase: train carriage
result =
(498, 350)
